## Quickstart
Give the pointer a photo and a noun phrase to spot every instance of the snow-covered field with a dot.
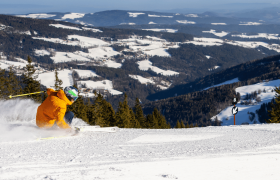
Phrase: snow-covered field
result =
(2, 27)
(37, 16)
(73, 16)
(48, 78)
(191, 15)
(185, 22)
(250, 23)
(146, 65)
(154, 15)
(85, 73)
(150, 80)
(61, 57)
(219, 23)
(100, 52)
(82, 41)
(161, 30)
(260, 35)
(41, 52)
(220, 34)
(227, 152)
(219, 42)
(105, 85)
(142, 80)
(4, 64)
(65, 27)
(206, 41)
(134, 15)
(149, 45)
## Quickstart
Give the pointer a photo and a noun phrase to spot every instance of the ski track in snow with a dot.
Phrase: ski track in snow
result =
(227, 152)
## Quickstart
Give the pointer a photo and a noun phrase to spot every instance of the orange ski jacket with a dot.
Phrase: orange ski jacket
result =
(53, 110)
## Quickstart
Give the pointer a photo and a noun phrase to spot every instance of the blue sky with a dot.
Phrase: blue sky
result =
(87, 6)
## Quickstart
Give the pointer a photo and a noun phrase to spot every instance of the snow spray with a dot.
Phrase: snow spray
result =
(18, 121)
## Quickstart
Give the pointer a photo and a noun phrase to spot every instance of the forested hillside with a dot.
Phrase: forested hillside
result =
(193, 104)
(21, 37)
(266, 68)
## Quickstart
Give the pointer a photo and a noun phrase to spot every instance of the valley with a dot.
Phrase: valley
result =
(143, 61)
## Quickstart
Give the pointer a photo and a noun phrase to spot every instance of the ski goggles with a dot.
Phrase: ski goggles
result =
(75, 98)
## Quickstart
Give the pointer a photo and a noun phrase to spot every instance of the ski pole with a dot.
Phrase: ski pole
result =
(26, 94)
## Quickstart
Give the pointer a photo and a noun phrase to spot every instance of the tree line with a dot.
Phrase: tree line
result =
(100, 112)
(11, 84)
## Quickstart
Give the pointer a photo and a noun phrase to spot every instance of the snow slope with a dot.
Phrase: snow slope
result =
(226, 82)
(232, 152)
(243, 117)
(65, 27)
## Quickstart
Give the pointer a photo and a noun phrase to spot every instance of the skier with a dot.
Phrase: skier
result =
(53, 109)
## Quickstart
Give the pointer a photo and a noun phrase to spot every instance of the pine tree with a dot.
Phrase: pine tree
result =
(191, 125)
(58, 82)
(12, 84)
(160, 119)
(2, 83)
(182, 124)
(108, 113)
(89, 107)
(97, 117)
(139, 113)
(29, 80)
(168, 126)
(156, 117)
(150, 121)
(187, 126)
(123, 115)
(79, 109)
(178, 124)
(274, 113)
(134, 123)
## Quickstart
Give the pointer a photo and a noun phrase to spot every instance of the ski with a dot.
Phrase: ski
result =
(79, 129)
(96, 129)
(57, 137)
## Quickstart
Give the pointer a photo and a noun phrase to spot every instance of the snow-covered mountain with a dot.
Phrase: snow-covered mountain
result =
(232, 152)
(121, 17)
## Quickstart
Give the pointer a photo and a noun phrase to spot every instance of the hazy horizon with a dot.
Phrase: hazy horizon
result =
(87, 6)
